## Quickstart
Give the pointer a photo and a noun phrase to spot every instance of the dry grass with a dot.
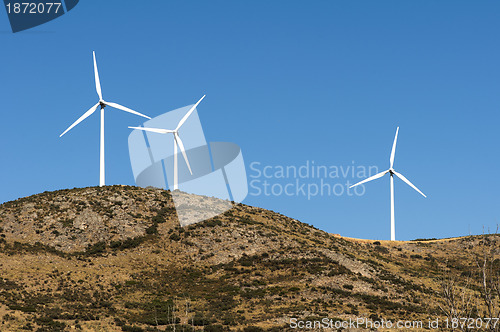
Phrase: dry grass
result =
(248, 267)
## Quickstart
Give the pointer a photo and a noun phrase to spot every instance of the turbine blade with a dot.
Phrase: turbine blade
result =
(371, 178)
(393, 152)
(408, 183)
(181, 146)
(126, 109)
(153, 130)
(97, 82)
(189, 113)
(83, 117)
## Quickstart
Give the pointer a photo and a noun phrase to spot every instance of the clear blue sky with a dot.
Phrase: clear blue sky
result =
(290, 82)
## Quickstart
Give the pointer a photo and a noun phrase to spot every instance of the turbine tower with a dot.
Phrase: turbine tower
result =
(392, 172)
(103, 104)
(177, 141)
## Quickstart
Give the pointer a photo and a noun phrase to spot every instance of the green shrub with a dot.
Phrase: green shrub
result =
(253, 329)
(175, 237)
(96, 248)
(128, 328)
(214, 328)
(153, 229)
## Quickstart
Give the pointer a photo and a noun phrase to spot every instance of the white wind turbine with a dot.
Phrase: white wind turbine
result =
(177, 141)
(103, 104)
(392, 173)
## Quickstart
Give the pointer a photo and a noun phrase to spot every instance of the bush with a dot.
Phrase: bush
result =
(213, 223)
(199, 320)
(382, 250)
(96, 248)
(214, 328)
(175, 237)
(129, 328)
(253, 329)
(153, 229)
(128, 243)
(162, 214)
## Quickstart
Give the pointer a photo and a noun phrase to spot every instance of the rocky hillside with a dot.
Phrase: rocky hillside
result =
(115, 259)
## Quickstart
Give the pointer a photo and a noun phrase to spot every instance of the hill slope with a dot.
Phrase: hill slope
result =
(115, 259)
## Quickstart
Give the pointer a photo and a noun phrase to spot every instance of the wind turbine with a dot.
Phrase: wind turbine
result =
(177, 141)
(103, 104)
(392, 172)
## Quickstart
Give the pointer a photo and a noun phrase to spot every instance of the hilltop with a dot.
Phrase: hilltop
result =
(115, 259)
